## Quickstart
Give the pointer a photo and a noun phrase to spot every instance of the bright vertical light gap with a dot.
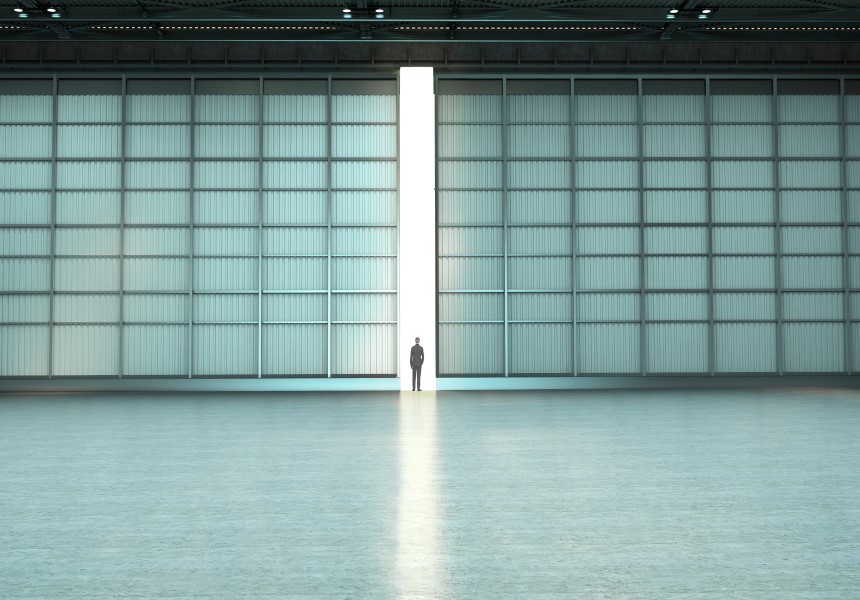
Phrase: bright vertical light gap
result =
(417, 223)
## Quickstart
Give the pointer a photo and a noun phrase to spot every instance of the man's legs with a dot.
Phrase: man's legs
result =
(414, 373)
(418, 369)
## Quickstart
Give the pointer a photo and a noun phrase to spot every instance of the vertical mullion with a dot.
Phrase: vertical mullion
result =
(643, 348)
(260, 149)
(191, 215)
(777, 228)
(846, 288)
(54, 108)
(122, 179)
(397, 295)
(709, 216)
(506, 335)
(328, 226)
(574, 338)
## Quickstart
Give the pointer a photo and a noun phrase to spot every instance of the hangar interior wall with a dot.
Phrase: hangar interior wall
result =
(198, 227)
(695, 225)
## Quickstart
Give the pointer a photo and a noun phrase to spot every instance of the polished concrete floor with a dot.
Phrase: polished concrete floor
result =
(544, 495)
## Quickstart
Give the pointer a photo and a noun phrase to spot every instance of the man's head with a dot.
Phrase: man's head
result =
(417, 340)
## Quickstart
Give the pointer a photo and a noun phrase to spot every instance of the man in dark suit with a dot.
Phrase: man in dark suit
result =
(416, 359)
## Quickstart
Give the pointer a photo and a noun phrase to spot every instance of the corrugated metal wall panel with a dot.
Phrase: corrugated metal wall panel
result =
(86, 308)
(472, 307)
(157, 141)
(541, 307)
(539, 240)
(676, 307)
(142, 241)
(25, 309)
(89, 108)
(674, 174)
(294, 108)
(295, 175)
(25, 274)
(854, 271)
(539, 141)
(741, 109)
(364, 349)
(88, 141)
(294, 208)
(221, 308)
(607, 240)
(607, 174)
(232, 108)
(466, 208)
(88, 175)
(24, 242)
(855, 346)
(471, 348)
(742, 174)
(29, 108)
(852, 108)
(607, 207)
(812, 109)
(469, 175)
(604, 141)
(295, 349)
(226, 241)
(537, 206)
(362, 273)
(469, 109)
(541, 348)
(745, 347)
(469, 141)
(471, 273)
(538, 108)
(854, 240)
(153, 308)
(676, 272)
(155, 274)
(738, 306)
(676, 240)
(156, 208)
(606, 109)
(86, 274)
(295, 307)
(155, 350)
(225, 350)
(364, 240)
(227, 141)
(24, 350)
(607, 307)
(349, 108)
(743, 240)
(295, 240)
(540, 273)
(813, 347)
(21, 175)
(808, 206)
(295, 141)
(742, 140)
(225, 274)
(146, 108)
(677, 347)
(471, 240)
(364, 174)
(295, 274)
(608, 348)
(364, 141)
(809, 140)
(811, 240)
(364, 307)
(25, 208)
(672, 109)
(743, 206)
(222, 208)
(161, 174)
(226, 175)
(853, 206)
(674, 140)
(812, 306)
(25, 141)
(95, 241)
(812, 272)
(744, 272)
(539, 174)
(364, 208)
(102, 348)
(810, 174)
(852, 140)
(609, 273)
(676, 206)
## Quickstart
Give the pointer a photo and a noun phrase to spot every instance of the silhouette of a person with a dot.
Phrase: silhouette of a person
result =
(416, 359)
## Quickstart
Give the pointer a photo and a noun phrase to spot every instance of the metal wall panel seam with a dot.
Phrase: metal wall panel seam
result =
(643, 349)
(191, 215)
(52, 268)
(710, 220)
(574, 337)
(122, 138)
(843, 178)
(328, 227)
(260, 147)
(396, 349)
(505, 220)
(777, 230)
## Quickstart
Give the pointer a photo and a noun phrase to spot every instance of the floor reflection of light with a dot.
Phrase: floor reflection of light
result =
(419, 565)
